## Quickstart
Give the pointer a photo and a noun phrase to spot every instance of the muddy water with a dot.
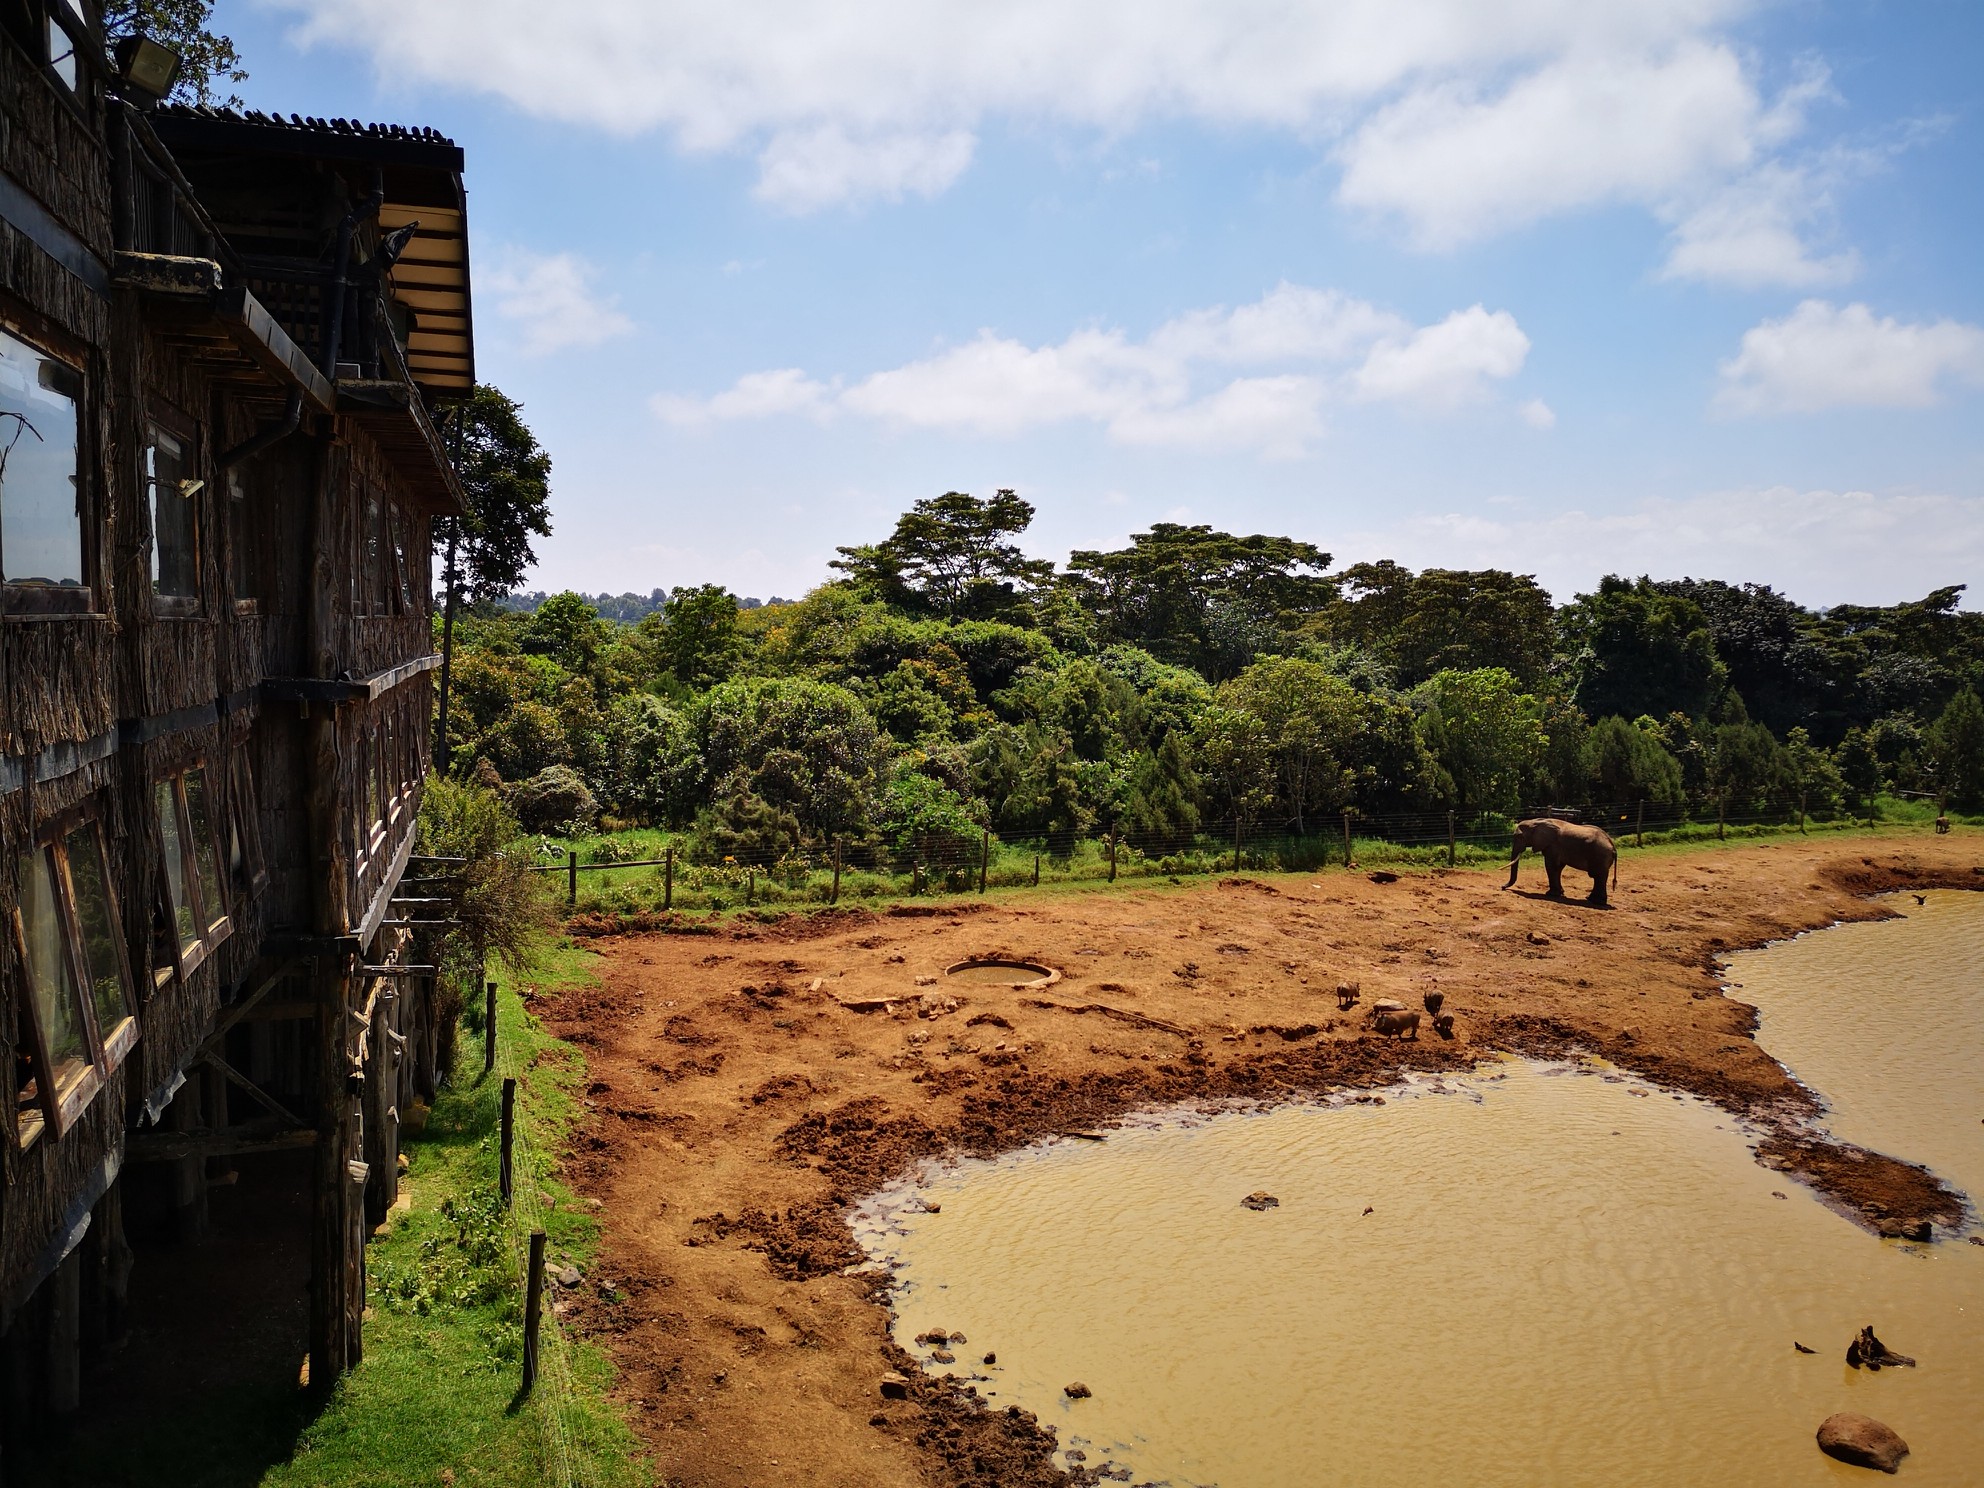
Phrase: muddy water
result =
(1565, 1277)
(1885, 1020)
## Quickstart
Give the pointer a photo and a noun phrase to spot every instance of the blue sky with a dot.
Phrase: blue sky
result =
(1568, 287)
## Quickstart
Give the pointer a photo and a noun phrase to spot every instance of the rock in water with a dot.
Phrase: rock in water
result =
(1080, 1391)
(1862, 1441)
(1260, 1199)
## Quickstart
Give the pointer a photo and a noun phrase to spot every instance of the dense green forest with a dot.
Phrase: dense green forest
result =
(944, 682)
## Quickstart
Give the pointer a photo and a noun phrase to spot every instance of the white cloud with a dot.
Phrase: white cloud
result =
(1538, 414)
(1456, 164)
(1824, 356)
(755, 395)
(1258, 377)
(1820, 547)
(804, 170)
(1460, 117)
(1446, 365)
(551, 300)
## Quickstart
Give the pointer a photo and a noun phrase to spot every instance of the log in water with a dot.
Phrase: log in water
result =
(1565, 1275)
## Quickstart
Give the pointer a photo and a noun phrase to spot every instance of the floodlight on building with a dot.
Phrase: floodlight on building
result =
(146, 66)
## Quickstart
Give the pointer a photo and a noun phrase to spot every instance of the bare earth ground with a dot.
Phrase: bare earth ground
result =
(739, 1101)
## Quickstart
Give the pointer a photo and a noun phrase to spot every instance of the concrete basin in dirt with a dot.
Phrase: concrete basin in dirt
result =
(999, 972)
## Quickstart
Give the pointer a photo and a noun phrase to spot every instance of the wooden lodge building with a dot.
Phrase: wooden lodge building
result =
(227, 343)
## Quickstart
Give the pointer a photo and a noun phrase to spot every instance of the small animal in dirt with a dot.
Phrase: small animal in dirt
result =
(1398, 1024)
(1567, 845)
(1346, 996)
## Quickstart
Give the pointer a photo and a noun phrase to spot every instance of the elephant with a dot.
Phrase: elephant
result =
(1567, 845)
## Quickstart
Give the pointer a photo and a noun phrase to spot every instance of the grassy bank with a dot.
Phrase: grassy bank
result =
(436, 1398)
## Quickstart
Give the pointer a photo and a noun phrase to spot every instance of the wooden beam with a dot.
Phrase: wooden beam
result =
(226, 1141)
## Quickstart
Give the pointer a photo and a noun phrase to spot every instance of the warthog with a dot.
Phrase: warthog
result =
(1397, 1022)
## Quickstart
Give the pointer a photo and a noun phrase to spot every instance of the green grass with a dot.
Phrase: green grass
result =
(437, 1391)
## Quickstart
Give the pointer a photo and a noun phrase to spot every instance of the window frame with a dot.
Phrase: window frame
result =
(161, 418)
(245, 817)
(187, 954)
(59, 1106)
(25, 601)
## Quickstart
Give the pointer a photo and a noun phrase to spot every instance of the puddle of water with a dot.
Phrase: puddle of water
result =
(1885, 1020)
(1566, 1277)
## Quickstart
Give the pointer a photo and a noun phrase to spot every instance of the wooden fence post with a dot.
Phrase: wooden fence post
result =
(1721, 806)
(984, 858)
(1112, 855)
(571, 876)
(1801, 811)
(1236, 841)
(533, 1307)
(505, 1172)
(834, 898)
(1450, 839)
(668, 879)
(489, 1030)
(915, 876)
(1348, 857)
(1036, 870)
(750, 885)
(1639, 825)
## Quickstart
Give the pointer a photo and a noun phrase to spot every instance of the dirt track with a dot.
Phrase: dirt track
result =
(738, 1101)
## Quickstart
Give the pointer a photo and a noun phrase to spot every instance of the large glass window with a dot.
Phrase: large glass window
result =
(244, 832)
(41, 527)
(79, 1022)
(194, 894)
(97, 930)
(58, 1011)
(174, 499)
(178, 891)
(200, 823)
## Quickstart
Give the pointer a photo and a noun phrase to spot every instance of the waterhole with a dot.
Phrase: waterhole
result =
(1002, 973)
(1538, 1274)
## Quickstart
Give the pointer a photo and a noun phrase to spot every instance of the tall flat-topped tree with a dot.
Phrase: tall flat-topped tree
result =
(952, 555)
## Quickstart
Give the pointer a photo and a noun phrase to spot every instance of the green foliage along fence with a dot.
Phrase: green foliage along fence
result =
(603, 876)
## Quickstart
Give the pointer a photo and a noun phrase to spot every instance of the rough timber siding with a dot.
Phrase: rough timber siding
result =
(48, 150)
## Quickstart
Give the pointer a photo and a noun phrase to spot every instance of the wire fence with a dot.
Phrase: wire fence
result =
(686, 876)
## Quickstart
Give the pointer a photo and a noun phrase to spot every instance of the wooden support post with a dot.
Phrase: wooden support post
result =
(489, 1029)
(1112, 855)
(65, 1355)
(668, 879)
(1036, 870)
(915, 877)
(1639, 825)
(189, 1175)
(1236, 841)
(505, 1170)
(984, 858)
(336, 1232)
(834, 897)
(571, 876)
(533, 1307)
(1349, 858)
(1451, 845)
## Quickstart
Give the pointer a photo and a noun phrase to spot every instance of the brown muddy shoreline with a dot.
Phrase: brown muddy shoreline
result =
(738, 1104)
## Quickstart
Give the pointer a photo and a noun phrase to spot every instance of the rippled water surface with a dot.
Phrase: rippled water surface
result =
(1565, 1277)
